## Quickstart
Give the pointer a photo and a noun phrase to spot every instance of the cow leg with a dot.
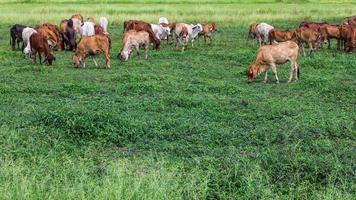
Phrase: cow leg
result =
(274, 70)
(193, 42)
(13, 43)
(39, 55)
(107, 59)
(338, 44)
(266, 76)
(94, 60)
(34, 56)
(329, 45)
(146, 51)
(18, 44)
(292, 70)
(296, 68)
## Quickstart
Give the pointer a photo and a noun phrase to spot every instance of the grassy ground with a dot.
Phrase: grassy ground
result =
(180, 125)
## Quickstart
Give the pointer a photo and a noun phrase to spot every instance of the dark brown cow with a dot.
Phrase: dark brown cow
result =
(40, 45)
(142, 26)
(281, 36)
(68, 34)
(16, 36)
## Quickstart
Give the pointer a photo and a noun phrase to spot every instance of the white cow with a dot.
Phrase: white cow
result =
(77, 26)
(103, 22)
(162, 20)
(262, 32)
(160, 31)
(87, 29)
(193, 31)
(26, 34)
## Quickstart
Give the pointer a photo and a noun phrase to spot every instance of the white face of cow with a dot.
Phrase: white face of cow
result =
(125, 54)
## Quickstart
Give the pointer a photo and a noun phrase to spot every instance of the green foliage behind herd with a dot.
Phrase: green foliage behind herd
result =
(179, 125)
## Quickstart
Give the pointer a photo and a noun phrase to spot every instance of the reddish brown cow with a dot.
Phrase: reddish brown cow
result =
(252, 33)
(345, 31)
(309, 36)
(39, 44)
(208, 30)
(328, 32)
(142, 26)
(68, 34)
(281, 36)
(352, 21)
(52, 33)
(351, 40)
(312, 25)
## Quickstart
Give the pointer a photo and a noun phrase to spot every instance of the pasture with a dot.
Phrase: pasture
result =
(181, 125)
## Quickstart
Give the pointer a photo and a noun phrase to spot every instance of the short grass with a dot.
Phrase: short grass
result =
(180, 125)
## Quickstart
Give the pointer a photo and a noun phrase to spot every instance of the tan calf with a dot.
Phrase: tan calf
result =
(132, 41)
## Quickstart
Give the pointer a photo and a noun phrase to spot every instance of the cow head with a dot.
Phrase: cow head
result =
(319, 41)
(125, 53)
(49, 59)
(77, 60)
(251, 73)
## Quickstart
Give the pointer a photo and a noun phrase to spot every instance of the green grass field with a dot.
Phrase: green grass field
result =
(179, 125)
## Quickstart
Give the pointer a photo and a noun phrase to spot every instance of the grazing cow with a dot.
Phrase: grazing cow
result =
(351, 40)
(87, 29)
(270, 55)
(103, 22)
(208, 30)
(132, 41)
(263, 30)
(91, 46)
(328, 32)
(160, 31)
(68, 34)
(345, 31)
(26, 34)
(16, 35)
(182, 35)
(40, 45)
(142, 26)
(193, 31)
(281, 36)
(52, 33)
(252, 33)
(311, 37)
(312, 25)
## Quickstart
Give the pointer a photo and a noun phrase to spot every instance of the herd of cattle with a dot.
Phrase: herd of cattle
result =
(284, 45)
(93, 39)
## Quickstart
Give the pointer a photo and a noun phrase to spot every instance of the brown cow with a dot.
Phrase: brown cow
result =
(281, 36)
(352, 21)
(312, 25)
(252, 33)
(351, 40)
(182, 35)
(328, 32)
(52, 33)
(142, 26)
(345, 31)
(208, 30)
(39, 45)
(270, 55)
(310, 36)
(132, 41)
(92, 46)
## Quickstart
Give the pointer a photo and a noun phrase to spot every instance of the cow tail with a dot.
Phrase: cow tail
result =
(298, 72)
